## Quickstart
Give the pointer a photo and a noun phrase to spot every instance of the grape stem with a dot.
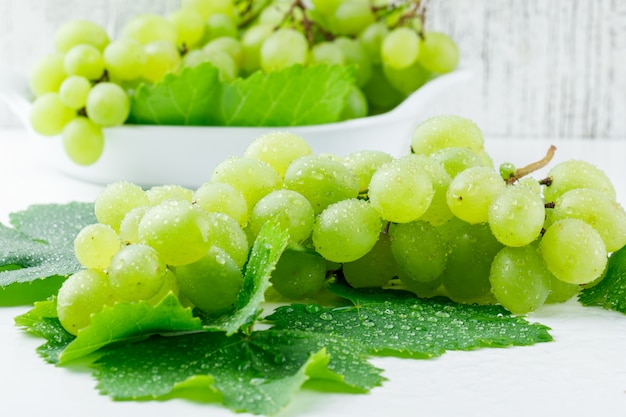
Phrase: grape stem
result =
(532, 167)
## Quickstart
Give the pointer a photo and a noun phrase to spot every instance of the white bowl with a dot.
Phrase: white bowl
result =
(186, 155)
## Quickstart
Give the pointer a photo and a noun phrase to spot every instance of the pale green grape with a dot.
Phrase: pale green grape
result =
(519, 279)
(189, 25)
(75, 32)
(574, 173)
(74, 90)
(278, 149)
(289, 209)
(326, 7)
(47, 74)
(561, 291)
(597, 209)
(274, 13)
(147, 28)
(327, 52)
(162, 58)
(470, 193)
(251, 42)
(95, 245)
(84, 293)
(347, 230)
(208, 7)
(401, 192)
(48, 115)
(160, 193)
(83, 140)
(444, 131)
(372, 39)
(108, 104)
(170, 286)
(129, 227)
(364, 164)
(84, 60)
(438, 52)
(225, 233)
(117, 199)
(283, 48)
(224, 62)
(323, 181)
(419, 250)
(215, 197)
(125, 59)
(400, 48)
(299, 273)
(574, 251)
(531, 183)
(211, 283)
(374, 269)
(355, 105)
(228, 45)
(136, 273)
(456, 159)
(507, 170)
(219, 25)
(179, 231)
(252, 177)
(352, 16)
(356, 55)
(381, 95)
(407, 79)
(516, 215)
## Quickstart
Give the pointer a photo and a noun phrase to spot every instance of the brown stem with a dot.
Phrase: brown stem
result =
(530, 168)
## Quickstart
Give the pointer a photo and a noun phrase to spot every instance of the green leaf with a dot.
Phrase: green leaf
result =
(41, 243)
(610, 293)
(397, 323)
(187, 98)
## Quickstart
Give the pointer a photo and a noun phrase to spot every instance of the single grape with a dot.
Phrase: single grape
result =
(346, 230)
(48, 115)
(372, 39)
(162, 58)
(351, 17)
(400, 48)
(136, 273)
(251, 42)
(170, 286)
(219, 25)
(516, 215)
(212, 283)
(381, 95)
(108, 104)
(84, 60)
(215, 197)
(279, 149)
(147, 28)
(207, 8)
(275, 12)
(117, 199)
(574, 251)
(225, 233)
(355, 105)
(160, 193)
(327, 52)
(444, 131)
(75, 32)
(125, 59)
(95, 245)
(471, 192)
(374, 269)
(189, 25)
(364, 164)
(407, 79)
(47, 74)
(326, 7)
(561, 291)
(283, 48)
(519, 279)
(129, 227)
(74, 90)
(456, 159)
(507, 170)
(83, 141)
(574, 173)
(356, 55)
(438, 52)
(299, 273)
(81, 295)
(228, 45)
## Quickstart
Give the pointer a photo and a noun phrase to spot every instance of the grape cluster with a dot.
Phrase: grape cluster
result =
(88, 82)
(440, 220)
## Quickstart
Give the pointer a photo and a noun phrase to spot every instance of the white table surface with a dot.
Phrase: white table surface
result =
(581, 373)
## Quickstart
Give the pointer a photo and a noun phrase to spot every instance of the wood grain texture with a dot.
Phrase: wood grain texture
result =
(542, 68)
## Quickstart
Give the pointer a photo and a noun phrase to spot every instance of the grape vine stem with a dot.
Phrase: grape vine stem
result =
(532, 167)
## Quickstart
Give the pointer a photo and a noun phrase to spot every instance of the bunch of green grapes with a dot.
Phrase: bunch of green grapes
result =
(87, 83)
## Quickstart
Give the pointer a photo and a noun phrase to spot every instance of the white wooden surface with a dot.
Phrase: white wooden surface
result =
(543, 68)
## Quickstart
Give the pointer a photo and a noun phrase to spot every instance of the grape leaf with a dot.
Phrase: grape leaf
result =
(397, 323)
(610, 293)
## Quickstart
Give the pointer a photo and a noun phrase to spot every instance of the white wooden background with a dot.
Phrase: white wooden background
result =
(542, 68)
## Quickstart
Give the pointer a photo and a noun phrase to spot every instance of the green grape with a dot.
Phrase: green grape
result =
(573, 174)
(597, 209)
(125, 59)
(326, 7)
(364, 164)
(381, 95)
(225, 233)
(471, 251)
(251, 42)
(423, 289)
(274, 14)
(299, 273)
(401, 192)
(327, 52)
(444, 131)
(407, 79)
(456, 159)
(215, 197)
(419, 250)
(278, 149)
(147, 28)
(81, 295)
(189, 25)
(471, 192)
(519, 279)
(574, 251)
(400, 48)
(347, 230)
(129, 227)
(117, 199)
(372, 39)
(220, 25)
(48, 115)
(170, 286)
(162, 58)
(507, 170)
(207, 8)
(211, 283)
(355, 105)
(283, 48)
(179, 231)
(516, 215)
(47, 74)
(531, 183)
(289, 209)
(136, 273)
(228, 45)
(374, 269)
(160, 193)
(84, 60)
(83, 141)
(95, 245)
(252, 177)
(561, 291)
(438, 52)
(75, 32)
(323, 181)
(356, 55)
(108, 104)
(351, 17)
(224, 62)
(74, 90)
